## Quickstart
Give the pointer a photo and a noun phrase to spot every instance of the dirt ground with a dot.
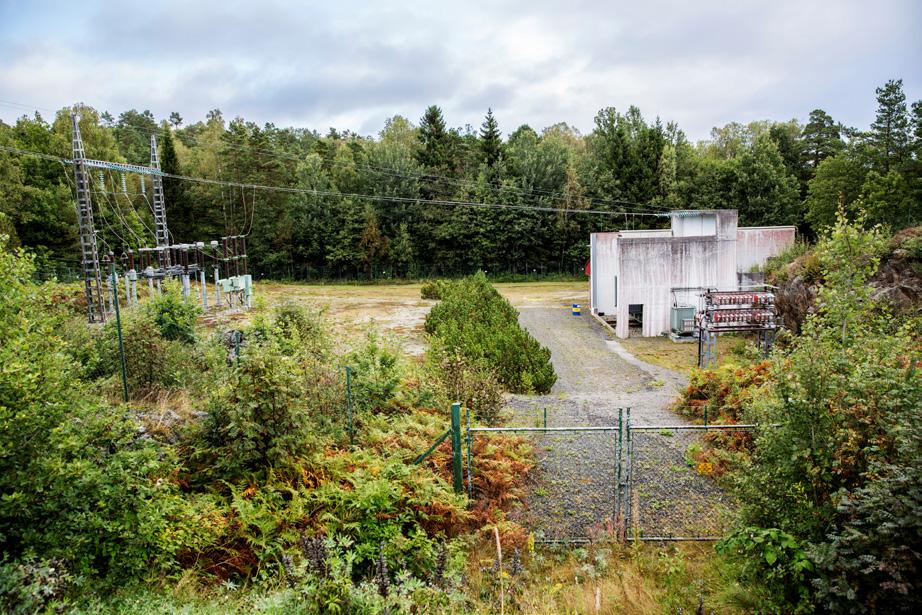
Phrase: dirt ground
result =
(398, 310)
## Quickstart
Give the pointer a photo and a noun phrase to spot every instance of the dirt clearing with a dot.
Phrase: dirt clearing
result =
(397, 310)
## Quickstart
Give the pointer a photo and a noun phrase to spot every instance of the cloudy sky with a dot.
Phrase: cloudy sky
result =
(353, 64)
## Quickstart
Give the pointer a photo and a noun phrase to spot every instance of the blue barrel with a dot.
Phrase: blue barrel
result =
(574, 309)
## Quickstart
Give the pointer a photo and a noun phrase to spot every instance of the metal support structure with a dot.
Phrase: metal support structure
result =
(707, 348)
(470, 482)
(429, 450)
(458, 481)
(629, 472)
(159, 206)
(618, 517)
(92, 278)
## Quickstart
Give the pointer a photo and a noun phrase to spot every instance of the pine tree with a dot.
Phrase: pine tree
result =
(917, 128)
(173, 189)
(889, 134)
(821, 139)
(491, 143)
(433, 139)
(401, 250)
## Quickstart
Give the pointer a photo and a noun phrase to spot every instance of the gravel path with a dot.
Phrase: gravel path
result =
(572, 493)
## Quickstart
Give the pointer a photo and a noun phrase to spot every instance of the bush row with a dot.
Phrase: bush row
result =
(473, 320)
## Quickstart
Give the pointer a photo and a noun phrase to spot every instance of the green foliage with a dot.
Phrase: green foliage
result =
(763, 168)
(776, 563)
(475, 387)
(301, 331)
(432, 289)
(476, 322)
(846, 398)
(33, 586)
(776, 267)
(174, 315)
(151, 361)
(724, 394)
(377, 373)
(78, 480)
(260, 418)
(821, 138)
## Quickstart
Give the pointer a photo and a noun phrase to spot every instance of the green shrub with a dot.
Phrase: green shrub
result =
(776, 266)
(301, 331)
(839, 472)
(474, 320)
(174, 315)
(151, 361)
(432, 289)
(33, 586)
(472, 385)
(774, 562)
(78, 481)
(259, 418)
(377, 373)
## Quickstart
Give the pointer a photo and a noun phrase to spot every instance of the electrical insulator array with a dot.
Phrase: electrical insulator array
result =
(738, 311)
(728, 311)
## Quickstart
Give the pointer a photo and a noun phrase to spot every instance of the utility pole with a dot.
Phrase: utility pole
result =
(160, 230)
(92, 280)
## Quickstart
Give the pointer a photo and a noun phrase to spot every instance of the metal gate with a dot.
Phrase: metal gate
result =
(623, 481)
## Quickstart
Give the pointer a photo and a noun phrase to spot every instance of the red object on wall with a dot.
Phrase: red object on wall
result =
(588, 267)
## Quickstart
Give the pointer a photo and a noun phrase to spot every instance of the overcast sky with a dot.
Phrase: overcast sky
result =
(352, 64)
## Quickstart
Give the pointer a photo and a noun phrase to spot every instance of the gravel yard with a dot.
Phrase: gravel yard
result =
(572, 493)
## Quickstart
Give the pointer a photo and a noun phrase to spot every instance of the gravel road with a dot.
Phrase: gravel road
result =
(572, 493)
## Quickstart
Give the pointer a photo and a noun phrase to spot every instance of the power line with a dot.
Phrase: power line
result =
(396, 199)
(397, 173)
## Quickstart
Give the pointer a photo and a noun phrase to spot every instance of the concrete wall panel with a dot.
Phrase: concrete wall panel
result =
(754, 245)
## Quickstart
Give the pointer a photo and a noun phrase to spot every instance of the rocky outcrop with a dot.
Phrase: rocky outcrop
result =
(898, 281)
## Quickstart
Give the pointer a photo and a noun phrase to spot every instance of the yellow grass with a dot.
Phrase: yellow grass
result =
(644, 579)
(681, 357)
(398, 310)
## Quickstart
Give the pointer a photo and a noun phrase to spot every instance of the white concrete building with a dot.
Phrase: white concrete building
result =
(645, 274)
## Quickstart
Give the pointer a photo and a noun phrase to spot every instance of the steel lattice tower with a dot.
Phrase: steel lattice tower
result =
(92, 280)
(160, 229)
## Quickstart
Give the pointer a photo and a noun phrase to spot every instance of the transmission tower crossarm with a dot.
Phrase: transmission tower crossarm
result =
(121, 166)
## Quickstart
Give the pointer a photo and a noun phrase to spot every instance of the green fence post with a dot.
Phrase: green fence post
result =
(545, 417)
(456, 447)
(470, 483)
(629, 491)
(349, 404)
(618, 442)
(121, 344)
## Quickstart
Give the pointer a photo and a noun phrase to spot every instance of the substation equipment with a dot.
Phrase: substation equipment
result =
(734, 311)
(186, 262)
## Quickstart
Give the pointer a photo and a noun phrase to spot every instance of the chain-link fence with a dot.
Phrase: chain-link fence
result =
(631, 482)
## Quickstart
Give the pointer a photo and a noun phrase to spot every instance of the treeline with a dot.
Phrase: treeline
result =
(376, 207)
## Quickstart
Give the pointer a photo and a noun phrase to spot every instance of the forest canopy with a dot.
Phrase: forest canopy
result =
(368, 207)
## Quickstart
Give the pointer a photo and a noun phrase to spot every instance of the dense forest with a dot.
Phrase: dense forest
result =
(425, 199)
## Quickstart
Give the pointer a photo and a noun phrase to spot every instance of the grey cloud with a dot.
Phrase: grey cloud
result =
(700, 63)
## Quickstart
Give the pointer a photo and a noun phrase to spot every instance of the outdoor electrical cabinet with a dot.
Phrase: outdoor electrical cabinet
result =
(683, 320)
